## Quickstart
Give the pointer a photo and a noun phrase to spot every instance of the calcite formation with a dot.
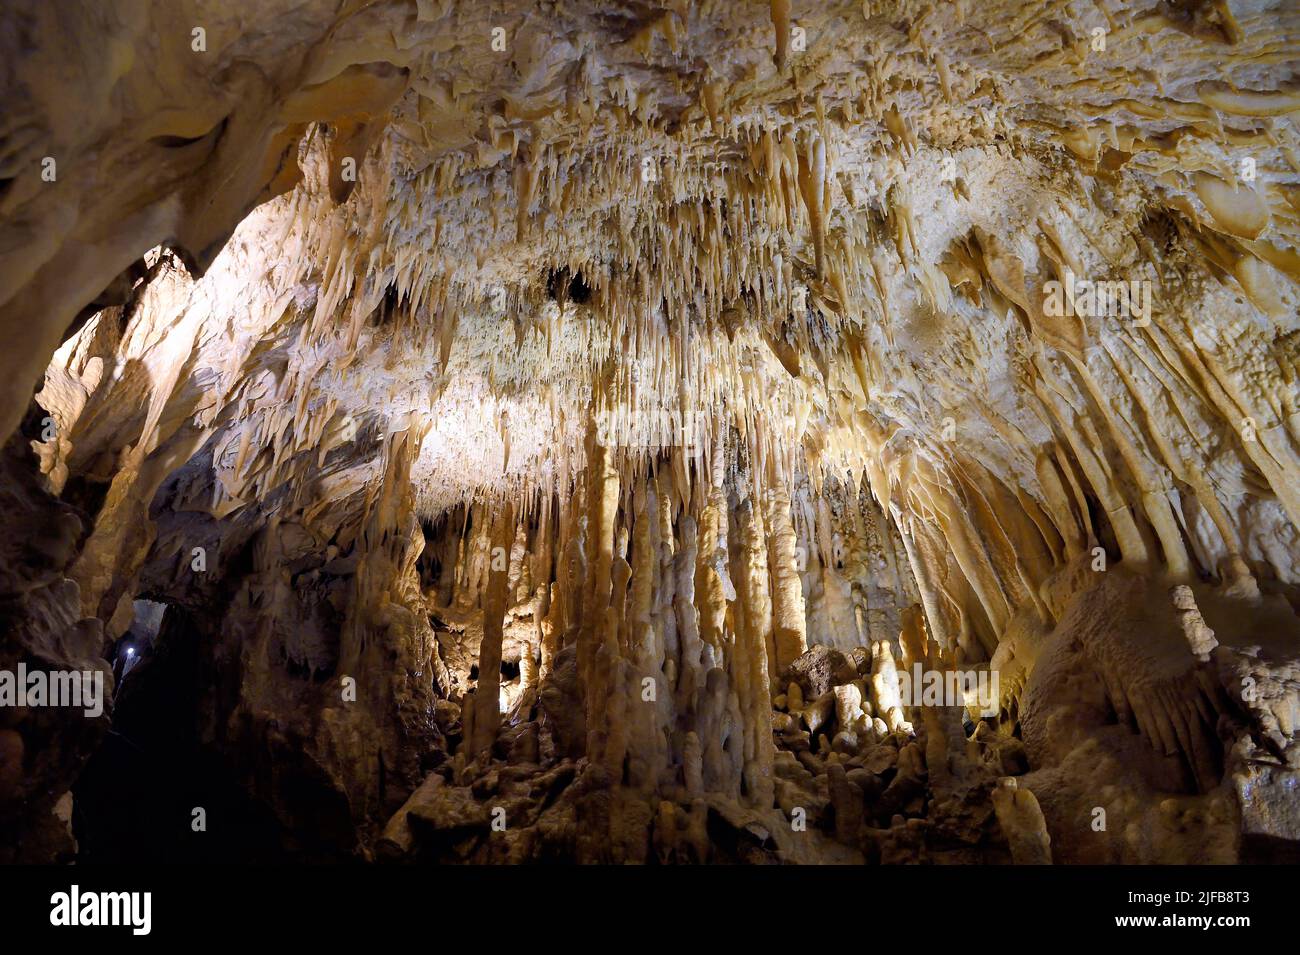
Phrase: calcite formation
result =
(515, 432)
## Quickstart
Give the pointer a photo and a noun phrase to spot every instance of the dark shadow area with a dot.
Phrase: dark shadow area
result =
(136, 799)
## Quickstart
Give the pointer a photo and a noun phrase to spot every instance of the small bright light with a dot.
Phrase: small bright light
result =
(130, 652)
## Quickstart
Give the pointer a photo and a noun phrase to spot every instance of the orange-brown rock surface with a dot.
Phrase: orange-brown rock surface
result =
(573, 431)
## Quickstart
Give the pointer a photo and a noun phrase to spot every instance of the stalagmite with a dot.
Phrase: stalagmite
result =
(1022, 820)
(1200, 638)
(753, 630)
(884, 688)
(487, 708)
(789, 628)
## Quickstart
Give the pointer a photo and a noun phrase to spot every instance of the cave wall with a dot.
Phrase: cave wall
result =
(760, 350)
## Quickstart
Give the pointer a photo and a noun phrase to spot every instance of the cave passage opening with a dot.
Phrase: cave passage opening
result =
(151, 792)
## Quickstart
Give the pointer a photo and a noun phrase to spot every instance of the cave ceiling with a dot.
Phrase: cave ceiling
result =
(335, 290)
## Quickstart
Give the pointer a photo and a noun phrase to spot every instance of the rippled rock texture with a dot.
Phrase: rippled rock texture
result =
(582, 432)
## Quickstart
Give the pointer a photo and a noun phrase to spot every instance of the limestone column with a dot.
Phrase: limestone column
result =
(487, 703)
(749, 660)
(789, 624)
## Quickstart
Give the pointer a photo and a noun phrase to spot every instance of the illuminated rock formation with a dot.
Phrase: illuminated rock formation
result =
(554, 429)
